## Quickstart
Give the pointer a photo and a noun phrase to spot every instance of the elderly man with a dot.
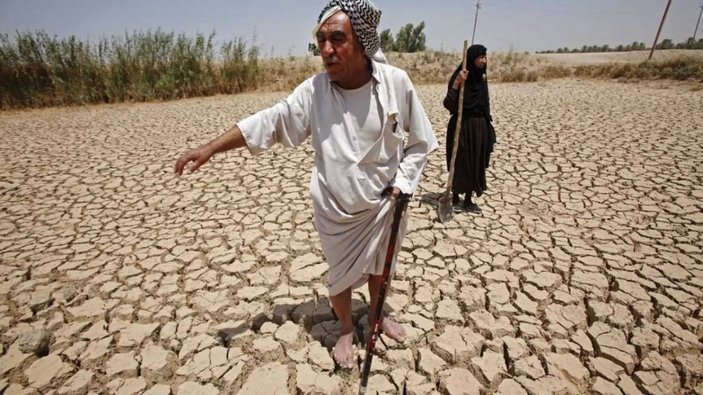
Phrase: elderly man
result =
(358, 114)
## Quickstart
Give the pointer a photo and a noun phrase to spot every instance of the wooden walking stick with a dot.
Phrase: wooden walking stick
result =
(400, 204)
(444, 208)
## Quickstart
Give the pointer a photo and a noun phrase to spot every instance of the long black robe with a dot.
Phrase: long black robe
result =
(477, 135)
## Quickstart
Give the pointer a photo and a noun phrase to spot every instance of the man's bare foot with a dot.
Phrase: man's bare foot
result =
(343, 352)
(393, 329)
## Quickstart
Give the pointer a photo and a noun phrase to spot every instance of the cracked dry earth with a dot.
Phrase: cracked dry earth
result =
(583, 274)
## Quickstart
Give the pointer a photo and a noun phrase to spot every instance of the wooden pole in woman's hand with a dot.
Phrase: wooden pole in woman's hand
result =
(445, 212)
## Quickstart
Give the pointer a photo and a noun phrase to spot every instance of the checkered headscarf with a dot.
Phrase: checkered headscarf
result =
(364, 17)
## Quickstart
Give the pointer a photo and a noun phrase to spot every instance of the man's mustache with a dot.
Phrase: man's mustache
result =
(332, 60)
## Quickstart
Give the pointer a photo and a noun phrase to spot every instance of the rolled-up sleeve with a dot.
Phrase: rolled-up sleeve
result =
(286, 123)
(421, 141)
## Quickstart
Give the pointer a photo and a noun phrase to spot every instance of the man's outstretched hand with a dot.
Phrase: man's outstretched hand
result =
(199, 156)
(230, 139)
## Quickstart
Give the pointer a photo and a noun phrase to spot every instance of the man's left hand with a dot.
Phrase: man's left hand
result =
(394, 192)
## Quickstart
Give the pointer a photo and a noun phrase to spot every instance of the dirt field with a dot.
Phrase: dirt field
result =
(618, 57)
(583, 274)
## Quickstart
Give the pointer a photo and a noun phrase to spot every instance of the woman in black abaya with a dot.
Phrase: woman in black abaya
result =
(477, 136)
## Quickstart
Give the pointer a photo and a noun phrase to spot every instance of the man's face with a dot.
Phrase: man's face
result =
(480, 61)
(341, 53)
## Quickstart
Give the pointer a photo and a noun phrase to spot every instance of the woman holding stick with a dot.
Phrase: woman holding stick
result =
(476, 137)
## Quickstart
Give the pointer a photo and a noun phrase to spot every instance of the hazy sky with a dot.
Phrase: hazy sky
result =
(284, 26)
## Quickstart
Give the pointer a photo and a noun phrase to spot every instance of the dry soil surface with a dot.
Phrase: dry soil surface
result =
(583, 273)
(620, 57)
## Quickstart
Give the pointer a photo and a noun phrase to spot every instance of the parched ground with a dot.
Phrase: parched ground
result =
(583, 274)
(620, 57)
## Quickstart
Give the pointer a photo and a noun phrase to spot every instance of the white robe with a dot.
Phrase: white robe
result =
(351, 217)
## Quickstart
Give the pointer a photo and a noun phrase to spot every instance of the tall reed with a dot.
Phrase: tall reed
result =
(38, 70)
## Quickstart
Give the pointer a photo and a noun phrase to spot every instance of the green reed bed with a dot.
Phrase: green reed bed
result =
(38, 70)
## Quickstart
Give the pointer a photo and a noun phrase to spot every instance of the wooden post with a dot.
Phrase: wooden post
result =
(699, 21)
(656, 38)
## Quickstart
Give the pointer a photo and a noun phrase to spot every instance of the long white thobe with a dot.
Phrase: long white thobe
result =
(351, 217)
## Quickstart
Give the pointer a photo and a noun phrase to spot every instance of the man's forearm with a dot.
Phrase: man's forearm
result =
(231, 139)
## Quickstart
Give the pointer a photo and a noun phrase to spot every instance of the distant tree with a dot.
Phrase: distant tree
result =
(666, 44)
(402, 39)
(690, 43)
(387, 40)
(410, 38)
(419, 37)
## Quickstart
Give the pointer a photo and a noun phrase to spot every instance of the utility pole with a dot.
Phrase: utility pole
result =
(699, 21)
(656, 38)
(478, 6)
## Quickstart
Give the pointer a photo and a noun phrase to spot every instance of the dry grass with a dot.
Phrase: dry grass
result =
(37, 70)
(433, 67)
(429, 67)
(522, 67)
(282, 74)
(681, 69)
